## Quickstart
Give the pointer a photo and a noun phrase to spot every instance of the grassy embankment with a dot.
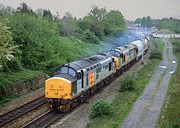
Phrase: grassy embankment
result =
(11, 78)
(170, 113)
(123, 101)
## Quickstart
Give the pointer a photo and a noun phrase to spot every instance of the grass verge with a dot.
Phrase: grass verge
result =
(170, 113)
(8, 79)
(13, 78)
(123, 101)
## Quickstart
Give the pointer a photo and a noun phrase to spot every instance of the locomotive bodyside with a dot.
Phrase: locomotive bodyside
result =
(75, 81)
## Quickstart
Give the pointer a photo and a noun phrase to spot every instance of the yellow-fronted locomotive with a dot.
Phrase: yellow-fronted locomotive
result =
(74, 82)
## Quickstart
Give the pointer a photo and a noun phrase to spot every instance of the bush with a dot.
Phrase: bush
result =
(128, 83)
(176, 123)
(155, 54)
(176, 43)
(101, 108)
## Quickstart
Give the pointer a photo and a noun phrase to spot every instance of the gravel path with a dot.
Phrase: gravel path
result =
(147, 108)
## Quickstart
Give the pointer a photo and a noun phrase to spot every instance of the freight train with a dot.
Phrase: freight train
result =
(75, 82)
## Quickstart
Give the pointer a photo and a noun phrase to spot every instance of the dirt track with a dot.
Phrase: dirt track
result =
(147, 108)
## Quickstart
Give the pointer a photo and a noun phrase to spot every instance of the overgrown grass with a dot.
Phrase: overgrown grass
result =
(123, 101)
(158, 43)
(8, 79)
(12, 79)
(170, 113)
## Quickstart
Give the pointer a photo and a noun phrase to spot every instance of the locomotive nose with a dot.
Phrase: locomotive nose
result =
(57, 87)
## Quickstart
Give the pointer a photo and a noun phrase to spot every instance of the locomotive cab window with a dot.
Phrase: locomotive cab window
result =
(110, 66)
(72, 72)
(78, 75)
(121, 55)
(112, 52)
(64, 70)
(67, 70)
(117, 54)
(124, 58)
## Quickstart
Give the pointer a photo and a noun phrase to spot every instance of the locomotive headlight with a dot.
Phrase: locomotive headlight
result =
(55, 92)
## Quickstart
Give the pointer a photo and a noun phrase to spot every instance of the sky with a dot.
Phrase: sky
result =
(131, 9)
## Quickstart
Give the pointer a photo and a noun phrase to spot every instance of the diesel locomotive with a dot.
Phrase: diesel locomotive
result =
(75, 82)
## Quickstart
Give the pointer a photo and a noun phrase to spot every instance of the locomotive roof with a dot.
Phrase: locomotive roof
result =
(137, 42)
(129, 46)
(122, 49)
(89, 61)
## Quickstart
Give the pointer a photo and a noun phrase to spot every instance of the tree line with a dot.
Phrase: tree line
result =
(144, 22)
(171, 23)
(40, 40)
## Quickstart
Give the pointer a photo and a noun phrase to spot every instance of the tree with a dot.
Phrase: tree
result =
(138, 21)
(99, 13)
(36, 38)
(47, 14)
(146, 22)
(68, 25)
(23, 8)
(171, 24)
(114, 23)
(6, 46)
(39, 12)
(6, 10)
(143, 22)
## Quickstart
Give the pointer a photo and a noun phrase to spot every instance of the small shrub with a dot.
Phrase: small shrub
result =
(176, 123)
(177, 49)
(128, 83)
(155, 54)
(176, 43)
(101, 108)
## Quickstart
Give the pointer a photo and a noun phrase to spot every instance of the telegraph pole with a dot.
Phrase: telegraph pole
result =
(142, 61)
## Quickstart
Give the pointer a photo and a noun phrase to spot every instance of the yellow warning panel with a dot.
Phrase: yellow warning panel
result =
(57, 87)
(118, 64)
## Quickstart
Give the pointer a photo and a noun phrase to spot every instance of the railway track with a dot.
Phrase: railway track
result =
(45, 119)
(22, 110)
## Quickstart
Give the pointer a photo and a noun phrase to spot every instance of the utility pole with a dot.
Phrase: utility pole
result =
(142, 61)
(141, 37)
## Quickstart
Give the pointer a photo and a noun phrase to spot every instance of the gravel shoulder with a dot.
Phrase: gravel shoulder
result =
(147, 108)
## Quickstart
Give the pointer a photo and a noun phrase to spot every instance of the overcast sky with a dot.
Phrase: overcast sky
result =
(131, 9)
